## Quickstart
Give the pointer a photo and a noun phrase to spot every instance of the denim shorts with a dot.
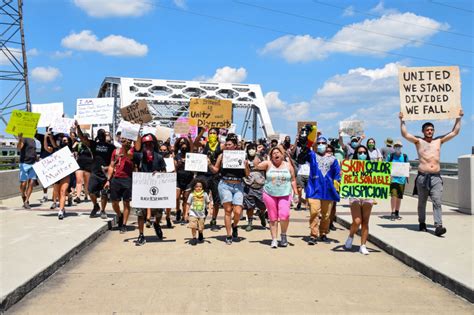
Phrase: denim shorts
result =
(231, 193)
(26, 172)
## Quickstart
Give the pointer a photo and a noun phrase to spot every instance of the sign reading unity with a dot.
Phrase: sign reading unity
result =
(233, 159)
(195, 162)
(153, 190)
(428, 93)
(49, 112)
(95, 110)
(55, 167)
(137, 112)
(22, 122)
(365, 179)
(129, 131)
(210, 113)
(62, 125)
(352, 128)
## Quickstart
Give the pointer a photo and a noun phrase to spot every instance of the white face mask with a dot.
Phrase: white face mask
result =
(252, 152)
(398, 150)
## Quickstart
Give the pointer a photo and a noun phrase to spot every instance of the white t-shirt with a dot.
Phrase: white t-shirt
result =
(375, 155)
(197, 206)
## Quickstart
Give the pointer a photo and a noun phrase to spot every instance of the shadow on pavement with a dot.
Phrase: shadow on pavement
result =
(411, 227)
(354, 249)
(223, 237)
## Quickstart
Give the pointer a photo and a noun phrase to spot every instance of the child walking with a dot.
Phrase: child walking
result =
(195, 210)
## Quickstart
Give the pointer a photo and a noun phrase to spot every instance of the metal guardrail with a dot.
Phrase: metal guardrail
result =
(447, 168)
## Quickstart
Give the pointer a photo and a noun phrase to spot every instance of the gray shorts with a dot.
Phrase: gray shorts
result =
(141, 212)
(302, 181)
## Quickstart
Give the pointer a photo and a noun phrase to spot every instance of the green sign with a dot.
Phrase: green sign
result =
(365, 179)
(23, 122)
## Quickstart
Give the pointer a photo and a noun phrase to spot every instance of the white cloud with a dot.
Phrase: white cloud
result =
(32, 52)
(45, 74)
(226, 75)
(273, 101)
(57, 88)
(359, 38)
(112, 45)
(291, 112)
(62, 54)
(380, 9)
(349, 11)
(115, 8)
(180, 4)
(4, 60)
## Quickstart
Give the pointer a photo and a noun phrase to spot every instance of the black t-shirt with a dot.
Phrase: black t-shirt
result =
(28, 151)
(158, 164)
(212, 155)
(84, 153)
(102, 152)
(43, 152)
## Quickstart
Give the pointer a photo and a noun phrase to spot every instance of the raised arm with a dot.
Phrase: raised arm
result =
(21, 142)
(456, 128)
(404, 131)
(81, 135)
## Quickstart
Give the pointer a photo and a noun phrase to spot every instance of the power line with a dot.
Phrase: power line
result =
(388, 18)
(451, 6)
(351, 27)
(294, 34)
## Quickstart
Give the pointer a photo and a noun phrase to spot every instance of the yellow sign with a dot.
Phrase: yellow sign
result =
(23, 122)
(210, 113)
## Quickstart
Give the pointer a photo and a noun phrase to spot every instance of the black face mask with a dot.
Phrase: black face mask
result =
(184, 148)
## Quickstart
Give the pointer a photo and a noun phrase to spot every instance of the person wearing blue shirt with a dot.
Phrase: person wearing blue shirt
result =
(397, 187)
(321, 191)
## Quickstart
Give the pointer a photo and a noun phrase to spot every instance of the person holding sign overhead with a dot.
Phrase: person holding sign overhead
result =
(428, 182)
(397, 186)
(231, 188)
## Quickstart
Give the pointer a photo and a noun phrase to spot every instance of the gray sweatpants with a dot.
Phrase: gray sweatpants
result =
(434, 192)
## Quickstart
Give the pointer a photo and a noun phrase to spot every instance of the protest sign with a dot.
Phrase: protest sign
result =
(232, 128)
(428, 93)
(181, 128)
(163, 133)
(275, 136)
(95, 110)
(195, 162)
(233, 159)
(301, 124)
(147, 130)
(169, 164)
(49, 112)
(55, 167)
(365, 179)
(153, 190)
(62, 125)
(210, 113)
(22, 122)
(129, 130)
(400, 169)
(137, 112)
(282, 138)
(95, 129)
(352, 128)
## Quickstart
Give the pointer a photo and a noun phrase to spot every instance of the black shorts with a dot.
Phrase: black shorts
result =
(253, 198)
(96, 184)
(121, 189)
(85, 165)
(183, 180)
(212, 182)
(397, 190)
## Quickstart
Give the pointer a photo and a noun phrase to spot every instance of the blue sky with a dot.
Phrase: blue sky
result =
(323, 60)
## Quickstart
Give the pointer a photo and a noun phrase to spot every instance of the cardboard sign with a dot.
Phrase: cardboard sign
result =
(22, 122)
(352, 128)
(365, 179)
(62, 125)
(95, 110)
(163, 133)
(49, 112)
(95, 129)
(428, 93)
(210, 113)
(153, 191)
(233, 159)
(400, 169)
(169, 165)
(55, 167)
(301, 124)
(181, 128)
(137, 112)
(129, 130)
(182, 123)
(195, 162)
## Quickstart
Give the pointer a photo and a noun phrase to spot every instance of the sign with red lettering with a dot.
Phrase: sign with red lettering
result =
(137, 112)
(428, 93)
(365, 179)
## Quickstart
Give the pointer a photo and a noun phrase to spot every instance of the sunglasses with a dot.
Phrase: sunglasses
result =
(320, 142)
(362, 152)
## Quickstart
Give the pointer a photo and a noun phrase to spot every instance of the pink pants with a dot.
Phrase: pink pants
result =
(278, 207)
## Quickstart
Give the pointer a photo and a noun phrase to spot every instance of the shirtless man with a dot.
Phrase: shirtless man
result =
(428, 181)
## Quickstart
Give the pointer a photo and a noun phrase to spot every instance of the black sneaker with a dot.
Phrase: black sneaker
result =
(193, 242)
(201, 237)
(77, 200)
(69, 201)
(94, 211)
(158, 230)
(168, 223)
(235, 231)
(422, 227)
(397, 215)
(324, 238)
(312, 241)
(123, 229)
(140, 240)
(332, 227)
(228, 240)
(263, 221)
(392, 216)
(298, 206)
(440, 230)
(178, 215)
(120, 221)
(213, 224)
(148, 224)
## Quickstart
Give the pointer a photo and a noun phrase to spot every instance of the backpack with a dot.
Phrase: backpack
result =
(405, 157)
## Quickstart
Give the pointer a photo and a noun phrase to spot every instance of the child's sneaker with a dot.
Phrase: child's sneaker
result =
(193, 242)
(201, 237)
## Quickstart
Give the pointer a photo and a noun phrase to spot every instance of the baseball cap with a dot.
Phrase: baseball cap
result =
(147, 138)
(389, 141)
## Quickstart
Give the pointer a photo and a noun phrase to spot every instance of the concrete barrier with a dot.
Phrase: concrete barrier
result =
(10, 186)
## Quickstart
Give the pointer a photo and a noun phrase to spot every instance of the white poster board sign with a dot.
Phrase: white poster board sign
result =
(169, 165)
(195, 162)
(147, 130)
(233, 159)
(351, 128)
(428, 93)
(153, 191)
(55, 167)
(49, 112)
(96, 128)
(62, 125)
(95, 110)
(129, 131)
(400, 169)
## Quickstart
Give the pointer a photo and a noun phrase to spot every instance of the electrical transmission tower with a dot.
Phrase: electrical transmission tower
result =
(14, 91)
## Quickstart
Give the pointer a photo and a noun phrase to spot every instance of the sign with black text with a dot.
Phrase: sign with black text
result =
(55, 167)
(233, 159)
(153, 190)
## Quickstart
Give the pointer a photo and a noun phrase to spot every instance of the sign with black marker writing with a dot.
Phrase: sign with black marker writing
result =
(428, 93)
(210, 113)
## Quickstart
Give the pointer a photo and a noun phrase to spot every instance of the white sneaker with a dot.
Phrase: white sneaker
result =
(348, 244)
(363, 250)
(61, 214)
(274, 244)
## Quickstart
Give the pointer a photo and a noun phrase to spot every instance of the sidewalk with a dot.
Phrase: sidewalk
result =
(33, 246)
(447, 260)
